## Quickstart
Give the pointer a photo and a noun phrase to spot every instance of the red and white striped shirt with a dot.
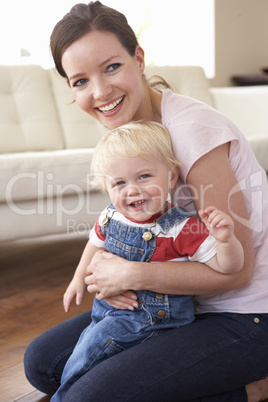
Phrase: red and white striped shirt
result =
(188, 239)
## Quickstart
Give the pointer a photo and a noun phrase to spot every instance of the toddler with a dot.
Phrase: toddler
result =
(135, 164)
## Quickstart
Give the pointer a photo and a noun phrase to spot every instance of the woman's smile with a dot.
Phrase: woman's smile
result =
(106, 81)
(111, 107)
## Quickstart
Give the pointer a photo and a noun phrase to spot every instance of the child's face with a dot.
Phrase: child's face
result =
(138, 187)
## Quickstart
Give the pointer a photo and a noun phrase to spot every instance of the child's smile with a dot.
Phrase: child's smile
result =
(139, 187)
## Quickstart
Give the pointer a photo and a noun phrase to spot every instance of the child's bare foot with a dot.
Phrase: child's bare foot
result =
(258, 390)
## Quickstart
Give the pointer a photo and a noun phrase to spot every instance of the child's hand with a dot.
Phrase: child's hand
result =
(220, 225)
(76, 289)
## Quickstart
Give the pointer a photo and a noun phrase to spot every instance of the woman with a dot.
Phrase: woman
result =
(226, 347)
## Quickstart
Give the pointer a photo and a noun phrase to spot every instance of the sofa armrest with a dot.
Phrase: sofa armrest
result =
(247, 107)
(259, 145)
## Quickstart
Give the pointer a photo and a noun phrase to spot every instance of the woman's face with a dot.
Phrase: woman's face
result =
(106, 81)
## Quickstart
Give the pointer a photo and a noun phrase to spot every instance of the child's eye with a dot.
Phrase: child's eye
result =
(113, 67)
(119, 183)
(145, 176)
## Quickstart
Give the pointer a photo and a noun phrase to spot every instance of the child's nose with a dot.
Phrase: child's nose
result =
(132, 190)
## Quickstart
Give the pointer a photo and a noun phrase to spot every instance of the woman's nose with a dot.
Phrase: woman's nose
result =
(102, 90)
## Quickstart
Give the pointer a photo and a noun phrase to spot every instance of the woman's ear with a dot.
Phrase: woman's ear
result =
(139, 55)
(174, 175)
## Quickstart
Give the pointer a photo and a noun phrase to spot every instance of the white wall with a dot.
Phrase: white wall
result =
(241, 39)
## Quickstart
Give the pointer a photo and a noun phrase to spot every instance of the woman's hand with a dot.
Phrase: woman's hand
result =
(108, 276)
(125, 301)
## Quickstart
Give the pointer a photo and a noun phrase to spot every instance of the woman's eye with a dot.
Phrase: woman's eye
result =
(80, 83)
(113, 67)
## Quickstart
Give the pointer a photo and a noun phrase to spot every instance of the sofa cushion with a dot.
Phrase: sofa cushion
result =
(72, 215)
(185, 80)
(28, 117)
(40, 175)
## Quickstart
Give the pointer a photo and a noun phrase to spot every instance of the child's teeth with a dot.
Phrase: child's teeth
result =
(139, 202)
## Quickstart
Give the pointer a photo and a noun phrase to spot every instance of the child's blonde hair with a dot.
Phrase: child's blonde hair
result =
(130, 140)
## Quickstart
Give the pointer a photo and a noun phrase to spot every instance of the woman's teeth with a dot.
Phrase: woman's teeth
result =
(109, 108)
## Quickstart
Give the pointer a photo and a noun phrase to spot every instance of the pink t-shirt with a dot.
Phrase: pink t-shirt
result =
(195, 129)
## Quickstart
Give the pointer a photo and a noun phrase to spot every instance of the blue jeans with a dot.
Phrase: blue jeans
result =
(113, 330)
(210, 360)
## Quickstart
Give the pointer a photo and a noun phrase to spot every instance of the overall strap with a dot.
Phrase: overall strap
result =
(172, 217)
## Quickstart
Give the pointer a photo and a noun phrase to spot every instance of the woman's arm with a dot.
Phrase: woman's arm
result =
(211, 180)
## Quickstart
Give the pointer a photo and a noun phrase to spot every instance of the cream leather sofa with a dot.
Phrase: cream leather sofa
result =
(46, 143)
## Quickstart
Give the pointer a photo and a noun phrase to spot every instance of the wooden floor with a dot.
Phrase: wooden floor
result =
(33, 280)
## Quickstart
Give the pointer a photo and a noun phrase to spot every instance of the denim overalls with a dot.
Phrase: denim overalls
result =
(112, 330)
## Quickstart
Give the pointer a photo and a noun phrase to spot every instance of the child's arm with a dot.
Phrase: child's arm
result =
(230, 256)
(77, 286)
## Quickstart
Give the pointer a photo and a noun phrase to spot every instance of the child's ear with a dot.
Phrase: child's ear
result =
(174, 175)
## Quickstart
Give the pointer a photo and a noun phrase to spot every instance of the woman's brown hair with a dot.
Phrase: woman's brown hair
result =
(84, 18)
